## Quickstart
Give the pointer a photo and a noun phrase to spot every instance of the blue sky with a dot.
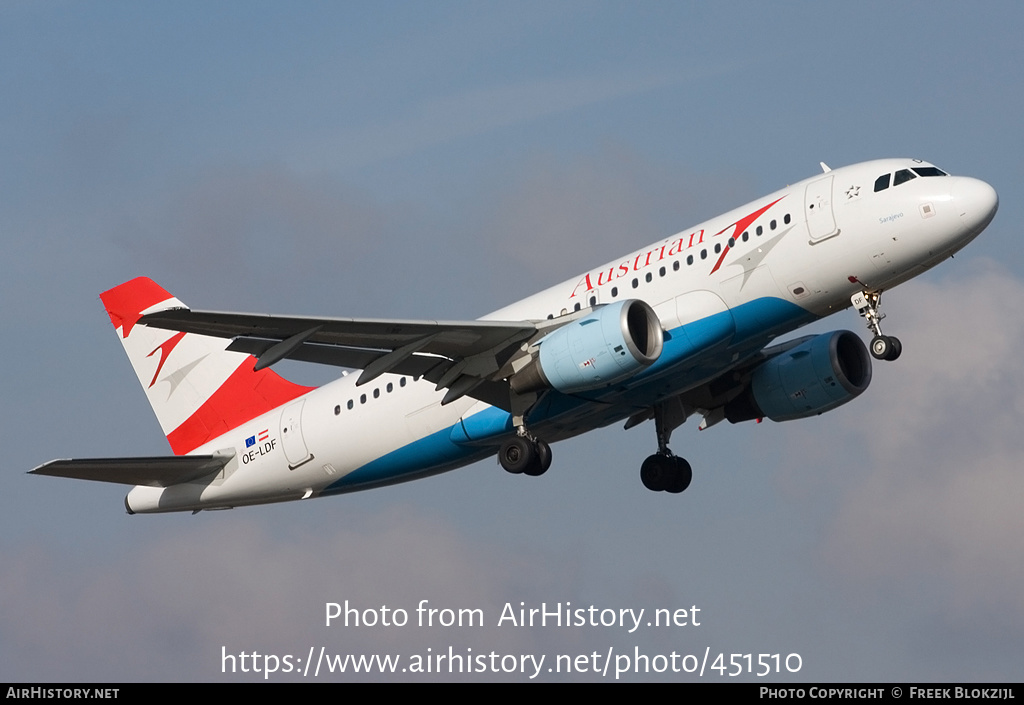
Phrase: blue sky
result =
(440, 160)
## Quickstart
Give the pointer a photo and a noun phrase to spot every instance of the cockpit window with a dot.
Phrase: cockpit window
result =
(882, 182)
(902, 176)
(929, 171)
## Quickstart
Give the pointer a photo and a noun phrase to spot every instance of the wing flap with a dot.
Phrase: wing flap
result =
(160, 471)
(338, 356)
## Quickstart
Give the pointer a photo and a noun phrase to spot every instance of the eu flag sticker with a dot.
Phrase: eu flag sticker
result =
(250, 441)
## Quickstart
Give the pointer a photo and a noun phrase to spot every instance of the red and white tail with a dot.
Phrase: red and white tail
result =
(198, 389)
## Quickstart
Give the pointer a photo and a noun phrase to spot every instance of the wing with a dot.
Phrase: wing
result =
(152, 472)
(467, 357)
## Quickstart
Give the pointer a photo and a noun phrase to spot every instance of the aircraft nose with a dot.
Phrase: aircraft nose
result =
(977, 202)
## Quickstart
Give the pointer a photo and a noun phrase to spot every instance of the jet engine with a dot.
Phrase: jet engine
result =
(809, 379)
(607, 346)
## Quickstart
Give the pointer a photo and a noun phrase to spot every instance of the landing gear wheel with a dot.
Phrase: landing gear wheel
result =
(655, 472)
(881, 347)
(897, 348)
(517, 454)
(885, 347)
(522, 455)
(682, 474)
(542, 460)
(666, 473)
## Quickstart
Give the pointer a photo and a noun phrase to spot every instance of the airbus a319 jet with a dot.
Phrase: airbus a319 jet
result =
(684, 327)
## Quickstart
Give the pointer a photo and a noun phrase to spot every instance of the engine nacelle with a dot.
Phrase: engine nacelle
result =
(814, 377)
(609, 345)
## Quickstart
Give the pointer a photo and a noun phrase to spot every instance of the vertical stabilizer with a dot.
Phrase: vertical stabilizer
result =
(198, 389)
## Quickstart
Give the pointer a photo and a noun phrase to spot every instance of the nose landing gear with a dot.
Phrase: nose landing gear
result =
(883, 347)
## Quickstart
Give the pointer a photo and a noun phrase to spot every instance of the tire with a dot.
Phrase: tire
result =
(656, 473)
(881, 347)
(516, 455)
(543, 460)
(682, 475)
(897, 348)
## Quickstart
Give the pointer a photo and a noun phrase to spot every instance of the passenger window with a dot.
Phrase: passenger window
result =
(882, 182)
(902, 176)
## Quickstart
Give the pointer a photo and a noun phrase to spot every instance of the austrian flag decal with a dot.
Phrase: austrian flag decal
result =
(251, 440)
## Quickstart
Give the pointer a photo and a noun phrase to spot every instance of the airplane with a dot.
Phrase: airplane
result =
(684, 327)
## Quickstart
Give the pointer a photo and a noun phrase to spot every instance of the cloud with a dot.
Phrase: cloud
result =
(936, 514)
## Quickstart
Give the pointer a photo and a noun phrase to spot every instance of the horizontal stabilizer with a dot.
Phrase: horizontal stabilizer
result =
(160, 471)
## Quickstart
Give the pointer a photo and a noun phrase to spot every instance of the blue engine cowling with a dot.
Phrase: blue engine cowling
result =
(607, 346)
(814, 377)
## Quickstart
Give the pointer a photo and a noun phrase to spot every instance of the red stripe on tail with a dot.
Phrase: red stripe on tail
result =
(245, 395)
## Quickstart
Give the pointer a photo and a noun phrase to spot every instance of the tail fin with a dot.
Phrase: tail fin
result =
(198, 389)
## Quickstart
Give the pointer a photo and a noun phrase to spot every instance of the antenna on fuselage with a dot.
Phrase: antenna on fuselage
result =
(825, 168)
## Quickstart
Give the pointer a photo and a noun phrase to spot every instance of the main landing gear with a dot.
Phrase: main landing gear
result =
(525, 454)
(663, 471)
(883, 347)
